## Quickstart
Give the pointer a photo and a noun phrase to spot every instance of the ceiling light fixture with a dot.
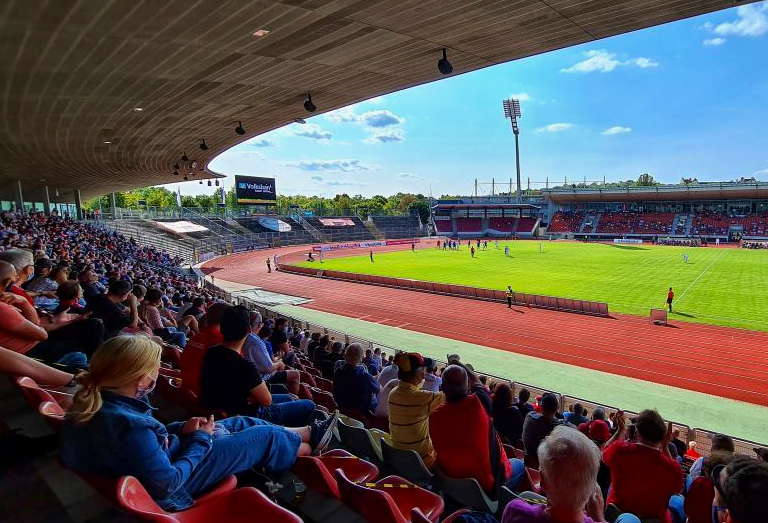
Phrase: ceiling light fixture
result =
(300, 120)
(107, 142)
(443, 65)
(239, 129)
(260, 33)
(203, 146)
(57, 192)
(138, 109)
(308, 105)
(184, 157)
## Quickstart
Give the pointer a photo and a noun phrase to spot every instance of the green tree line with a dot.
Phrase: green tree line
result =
(339, 205)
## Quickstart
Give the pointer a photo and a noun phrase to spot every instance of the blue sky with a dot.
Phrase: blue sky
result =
(687, 99)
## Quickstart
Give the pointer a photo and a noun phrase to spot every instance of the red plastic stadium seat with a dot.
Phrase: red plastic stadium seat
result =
(531, 481)
(325, 399)
(389, 500)
(32, 392)
(305, 393)
(53, 413)
(316, 472)
(326, 385)
(242, 505)
(307, 378)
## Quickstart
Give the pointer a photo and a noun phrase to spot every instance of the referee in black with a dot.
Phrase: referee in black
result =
(510, 296)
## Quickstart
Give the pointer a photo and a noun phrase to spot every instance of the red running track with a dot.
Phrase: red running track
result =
(722, 361)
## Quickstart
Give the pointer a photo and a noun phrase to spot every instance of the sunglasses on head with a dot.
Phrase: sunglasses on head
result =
(714, 475)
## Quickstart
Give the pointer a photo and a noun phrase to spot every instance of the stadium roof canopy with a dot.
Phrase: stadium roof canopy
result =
(106, 95)
(699, 192)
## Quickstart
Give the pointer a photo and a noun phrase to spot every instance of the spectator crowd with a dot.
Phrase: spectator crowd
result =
(91, 310)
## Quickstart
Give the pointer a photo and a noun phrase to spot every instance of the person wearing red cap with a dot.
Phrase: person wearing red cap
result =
(409, 408)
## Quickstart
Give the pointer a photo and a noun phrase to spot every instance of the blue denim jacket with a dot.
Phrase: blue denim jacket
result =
(124, 439)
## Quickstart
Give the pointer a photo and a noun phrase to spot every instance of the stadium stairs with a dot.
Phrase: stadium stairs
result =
(373, 229)
(398, 226)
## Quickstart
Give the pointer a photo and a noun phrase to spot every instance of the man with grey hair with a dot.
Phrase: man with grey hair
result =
(24, 263)
(273, 372)
(354, 389)
(568, 463)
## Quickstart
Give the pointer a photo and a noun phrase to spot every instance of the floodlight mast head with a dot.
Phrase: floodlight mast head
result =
(512, 111)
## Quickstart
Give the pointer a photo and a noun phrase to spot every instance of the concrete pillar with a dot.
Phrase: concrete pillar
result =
(78, 205)
(19, 197)
(47, 202)
(114, 205)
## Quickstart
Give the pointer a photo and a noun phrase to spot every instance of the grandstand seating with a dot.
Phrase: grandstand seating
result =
(337, 473)
(525, 225)
(345, 233)
(502, 224)
(469, 224)
(398, 226)
(564, 221)
(756, 225)
(444, 226)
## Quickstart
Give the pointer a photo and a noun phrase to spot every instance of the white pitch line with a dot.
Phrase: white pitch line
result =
(690, 286)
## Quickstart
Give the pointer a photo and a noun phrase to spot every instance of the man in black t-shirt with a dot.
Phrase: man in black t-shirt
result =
(231, 383)
(110, 310)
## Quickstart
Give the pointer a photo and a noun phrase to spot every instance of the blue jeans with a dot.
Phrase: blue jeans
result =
(176, 337)
(287, 412)
(251, 443)
(627, 518)
(518, 471)
(677, 508)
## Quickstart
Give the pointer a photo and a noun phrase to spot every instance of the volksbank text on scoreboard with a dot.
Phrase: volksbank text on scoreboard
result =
(252, 190)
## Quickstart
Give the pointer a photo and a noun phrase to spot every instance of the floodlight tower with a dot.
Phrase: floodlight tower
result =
(512, 111)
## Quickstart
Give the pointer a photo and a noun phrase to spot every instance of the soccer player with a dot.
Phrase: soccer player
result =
(540, 248)
(485, 245)
(413, 246)
(310, 257)
(372, 256)
(510, 296)
(506, 251)
(321, 256)
(438, 244)
(472, 250)
(269, 266)
(670, 297)
(685, 257)
(497, 244)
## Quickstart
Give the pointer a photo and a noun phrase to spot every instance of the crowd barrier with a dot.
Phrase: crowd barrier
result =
(592, 308)
(702, 437)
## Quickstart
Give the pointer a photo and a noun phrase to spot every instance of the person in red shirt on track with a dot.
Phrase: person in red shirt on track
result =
(643, 474)
(670, 297)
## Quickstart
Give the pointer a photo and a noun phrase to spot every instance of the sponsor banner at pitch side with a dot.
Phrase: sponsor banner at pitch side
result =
(361, 245)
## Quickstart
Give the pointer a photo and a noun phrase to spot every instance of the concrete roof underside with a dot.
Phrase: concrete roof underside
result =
(73, 72)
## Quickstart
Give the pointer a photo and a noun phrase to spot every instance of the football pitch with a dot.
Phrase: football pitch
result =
(720, 286)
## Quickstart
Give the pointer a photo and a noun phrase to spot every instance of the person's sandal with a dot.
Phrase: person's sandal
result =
(321, 433)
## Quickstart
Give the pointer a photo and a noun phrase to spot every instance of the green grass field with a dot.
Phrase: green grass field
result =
(718, 286)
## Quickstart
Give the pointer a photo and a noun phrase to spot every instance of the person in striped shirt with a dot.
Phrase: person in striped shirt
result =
(409, 407)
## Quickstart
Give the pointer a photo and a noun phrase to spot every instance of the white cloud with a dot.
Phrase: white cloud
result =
(762, 172)
(751, 20)
(602, 61)
(262, 142)
(617, 129)
(714, 42)
(386, 135)
(316, 177)
(707, 26)
(346, 165)
(343, 115)
(643, 63)
(344, 183)
(555, 128)
(523, 97)
(411, 176)
(380, 118)
(315, 132)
